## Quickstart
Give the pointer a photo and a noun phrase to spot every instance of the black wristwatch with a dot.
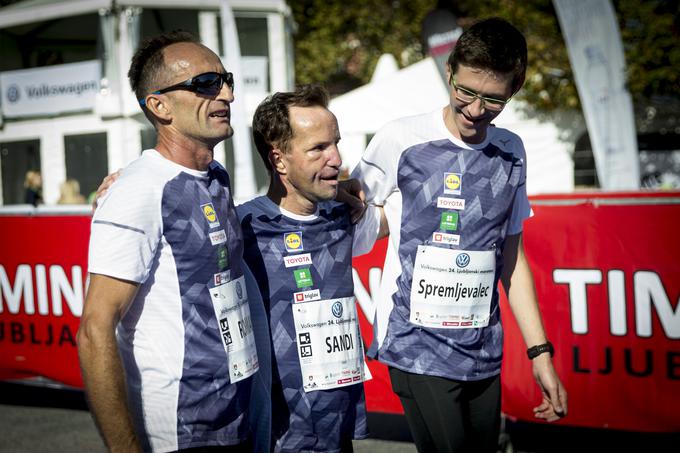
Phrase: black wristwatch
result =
(539, 349)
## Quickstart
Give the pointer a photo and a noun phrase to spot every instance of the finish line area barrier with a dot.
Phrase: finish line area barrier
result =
(607, 274)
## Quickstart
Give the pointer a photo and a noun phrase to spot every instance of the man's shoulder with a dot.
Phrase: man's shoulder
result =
(139, 185)
(257, 205)
(408, 131)
(507, 141)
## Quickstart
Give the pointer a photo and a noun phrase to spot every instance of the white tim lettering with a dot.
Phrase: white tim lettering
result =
(616, 289)
(23, 284)
(577, 279)
(73, 295)
(364, 298)
(41, 289)
(649, 290)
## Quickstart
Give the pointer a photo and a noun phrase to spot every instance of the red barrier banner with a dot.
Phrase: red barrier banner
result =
(608, 278)
(43, 268)
(607, 275)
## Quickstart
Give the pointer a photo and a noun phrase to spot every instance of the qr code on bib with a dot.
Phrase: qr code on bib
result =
(306, 350)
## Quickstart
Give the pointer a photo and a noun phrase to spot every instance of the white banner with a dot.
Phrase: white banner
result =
(50, 90)
(596, 54)
(255, 74)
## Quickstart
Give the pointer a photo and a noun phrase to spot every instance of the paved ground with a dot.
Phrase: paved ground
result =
(34, 419)
(51, 421)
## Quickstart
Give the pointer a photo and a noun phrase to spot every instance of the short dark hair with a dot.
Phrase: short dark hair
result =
(148, 64)
(492, 44)
(271, 122)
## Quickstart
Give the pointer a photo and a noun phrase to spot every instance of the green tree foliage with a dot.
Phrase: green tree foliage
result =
(338, 43)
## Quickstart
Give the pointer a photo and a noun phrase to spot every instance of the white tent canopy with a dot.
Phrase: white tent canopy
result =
(417, 89)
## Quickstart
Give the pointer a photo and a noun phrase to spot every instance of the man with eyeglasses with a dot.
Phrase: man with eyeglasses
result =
(453, 189)
(167, 340)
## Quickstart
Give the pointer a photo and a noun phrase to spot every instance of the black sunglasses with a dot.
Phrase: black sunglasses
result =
(208, 84)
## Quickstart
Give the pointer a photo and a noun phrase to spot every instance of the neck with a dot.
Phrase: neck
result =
(289, 199)
(450, 123)
(185, 151)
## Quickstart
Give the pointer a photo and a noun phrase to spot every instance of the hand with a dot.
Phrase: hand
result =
(554, 404)
(350, 193)
(104, 186)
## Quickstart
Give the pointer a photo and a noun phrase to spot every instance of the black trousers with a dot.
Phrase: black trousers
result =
(450, 416)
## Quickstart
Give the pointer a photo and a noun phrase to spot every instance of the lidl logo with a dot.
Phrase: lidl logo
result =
(293, 241)
(210, 214)
(303, 278)
(449, 221)
(452, 183)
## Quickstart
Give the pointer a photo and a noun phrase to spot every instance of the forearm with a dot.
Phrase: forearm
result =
(519, 287)
(524, 305)
(101, 367)
(104, 380)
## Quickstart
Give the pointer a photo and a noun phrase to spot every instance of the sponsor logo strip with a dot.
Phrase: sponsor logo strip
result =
(445, 238)
(451, 203)
(298, 260)
(307, 296)
(218, 237)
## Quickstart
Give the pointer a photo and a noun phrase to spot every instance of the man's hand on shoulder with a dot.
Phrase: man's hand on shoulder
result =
(106, 184)
(350, 193)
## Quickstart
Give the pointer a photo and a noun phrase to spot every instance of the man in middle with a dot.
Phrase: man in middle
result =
(299, 244)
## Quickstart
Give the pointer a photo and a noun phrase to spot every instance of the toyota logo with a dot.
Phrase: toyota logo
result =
(13, 93)
(337, 309)
(463, 260)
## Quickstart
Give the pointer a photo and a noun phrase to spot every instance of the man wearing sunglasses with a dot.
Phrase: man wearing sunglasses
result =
(454, 191)
(167, 340)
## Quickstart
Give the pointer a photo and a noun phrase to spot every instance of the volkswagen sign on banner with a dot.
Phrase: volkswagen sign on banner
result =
(50, 90)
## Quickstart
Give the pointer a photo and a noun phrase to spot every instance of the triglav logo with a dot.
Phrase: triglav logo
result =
(13, 93)
(337, 309)
(463, 260)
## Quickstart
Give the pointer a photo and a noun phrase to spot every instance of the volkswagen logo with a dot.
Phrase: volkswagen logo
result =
(13, 93)
(337, 309)
(239, 290)
(463, 260)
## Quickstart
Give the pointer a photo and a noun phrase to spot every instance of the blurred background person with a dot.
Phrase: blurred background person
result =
(33, 186)
(69, 193)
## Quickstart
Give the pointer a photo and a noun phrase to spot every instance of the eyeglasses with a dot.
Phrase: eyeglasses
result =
(207, 84)
(468, 97)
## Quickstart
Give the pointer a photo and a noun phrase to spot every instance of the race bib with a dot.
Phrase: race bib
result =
(329, 343)
(452, 289)
(230, 301)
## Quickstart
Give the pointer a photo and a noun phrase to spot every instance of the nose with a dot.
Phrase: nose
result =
(226, 93)
(476, 107)
(334, 159)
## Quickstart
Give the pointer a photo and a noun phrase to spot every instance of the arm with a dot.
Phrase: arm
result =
(102, 370)
(518, 282)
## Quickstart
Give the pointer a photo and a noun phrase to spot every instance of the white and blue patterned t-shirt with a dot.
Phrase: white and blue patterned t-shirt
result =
(174, 231)
(316, 421)
(423, 175)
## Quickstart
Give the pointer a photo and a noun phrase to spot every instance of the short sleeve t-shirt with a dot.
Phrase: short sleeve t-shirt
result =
(174, 231)
(440, 192)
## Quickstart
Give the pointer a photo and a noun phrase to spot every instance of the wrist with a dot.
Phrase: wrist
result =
(540, 349)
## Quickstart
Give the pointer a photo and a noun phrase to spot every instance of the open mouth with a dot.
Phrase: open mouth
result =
(220, 114)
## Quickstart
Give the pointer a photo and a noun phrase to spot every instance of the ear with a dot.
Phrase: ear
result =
(278, 161)
(449, 75)
(159, 107)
